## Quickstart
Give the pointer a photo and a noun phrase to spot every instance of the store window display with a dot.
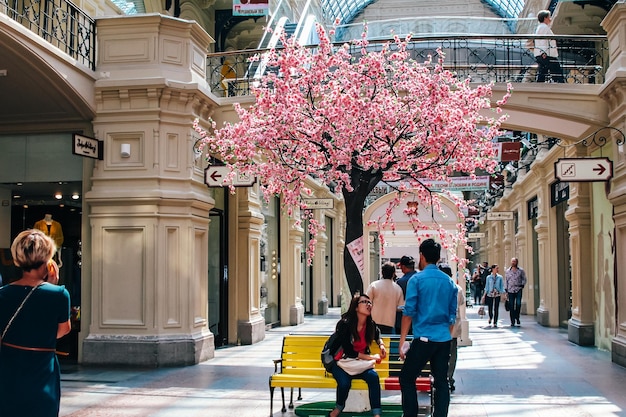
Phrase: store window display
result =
(53, 229)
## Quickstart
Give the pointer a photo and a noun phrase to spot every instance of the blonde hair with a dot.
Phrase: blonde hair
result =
(31, 249)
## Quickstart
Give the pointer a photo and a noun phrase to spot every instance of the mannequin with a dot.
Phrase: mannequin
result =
(53, 229)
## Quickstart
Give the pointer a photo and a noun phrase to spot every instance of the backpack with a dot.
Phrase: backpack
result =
(330, 350)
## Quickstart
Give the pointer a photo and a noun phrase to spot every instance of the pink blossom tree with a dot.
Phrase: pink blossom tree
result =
(353, 119)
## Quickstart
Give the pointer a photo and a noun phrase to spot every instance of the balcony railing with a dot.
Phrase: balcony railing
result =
(482, 59)
(59, 22)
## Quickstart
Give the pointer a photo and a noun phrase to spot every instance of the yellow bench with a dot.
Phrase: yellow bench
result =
(300, 366)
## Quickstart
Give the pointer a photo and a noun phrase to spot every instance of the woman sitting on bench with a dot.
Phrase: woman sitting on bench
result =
(356, 331)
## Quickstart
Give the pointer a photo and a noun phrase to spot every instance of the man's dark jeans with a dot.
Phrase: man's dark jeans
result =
(421, 352)
(515, 305)
(550, 65)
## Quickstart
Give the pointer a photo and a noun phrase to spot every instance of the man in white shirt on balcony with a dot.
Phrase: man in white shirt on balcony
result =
(546, 53)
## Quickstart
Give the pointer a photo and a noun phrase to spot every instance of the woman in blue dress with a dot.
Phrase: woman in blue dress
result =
(30, 377)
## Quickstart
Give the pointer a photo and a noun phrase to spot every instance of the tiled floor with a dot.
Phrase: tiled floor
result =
(527, 371)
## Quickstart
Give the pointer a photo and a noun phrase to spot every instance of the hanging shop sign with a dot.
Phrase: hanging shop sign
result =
(500, 215)
(217, 176)
(508, 151)
(583, 169)
(458, 184)
(476, 235)
(87, 147)
(319, 203)
(250, 7)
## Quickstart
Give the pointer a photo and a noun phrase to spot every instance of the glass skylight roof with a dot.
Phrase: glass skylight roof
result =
(506, 8)
(344, 10)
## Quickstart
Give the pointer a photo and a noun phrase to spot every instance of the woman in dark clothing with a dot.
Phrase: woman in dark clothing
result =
(30, 382)
(357, 331)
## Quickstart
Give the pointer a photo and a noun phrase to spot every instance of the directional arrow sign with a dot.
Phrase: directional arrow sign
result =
(583, 169)
(215, 176)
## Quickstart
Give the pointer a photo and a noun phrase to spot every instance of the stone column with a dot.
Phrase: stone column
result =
(581, 325)
(291, 308)
(245, 266)
(148, 207)
(320, 291)
(614, 92)
(523, 254)
(543, 241)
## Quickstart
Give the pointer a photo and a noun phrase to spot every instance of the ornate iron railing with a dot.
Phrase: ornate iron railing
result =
(59, 22)
(501, 58)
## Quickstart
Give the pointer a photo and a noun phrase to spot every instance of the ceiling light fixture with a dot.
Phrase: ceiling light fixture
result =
(58, 196)
(75, 196)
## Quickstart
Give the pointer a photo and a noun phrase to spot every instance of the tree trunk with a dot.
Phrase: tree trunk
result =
(363, 183)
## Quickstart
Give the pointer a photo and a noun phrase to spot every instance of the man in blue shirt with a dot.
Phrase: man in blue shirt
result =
(430, 307)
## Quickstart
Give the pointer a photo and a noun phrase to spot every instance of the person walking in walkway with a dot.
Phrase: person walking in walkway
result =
(493, 290)
(430, 308)
(515, 280)
(33, 315)
(456, 330)
(407, 266)
(546, 52)
(482, 272)
(356, 331)
(387, 299)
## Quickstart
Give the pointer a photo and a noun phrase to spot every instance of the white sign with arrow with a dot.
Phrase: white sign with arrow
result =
(583, 169)
(215, 176)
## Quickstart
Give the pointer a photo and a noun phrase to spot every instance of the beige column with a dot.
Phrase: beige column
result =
(291, 308)
(319, 268)
(340, 284)
(148, 206)
(244, 260)
(614, 92)
(581, 325)
(543, 240)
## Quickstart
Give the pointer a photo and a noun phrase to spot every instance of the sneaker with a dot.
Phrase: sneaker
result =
(518, 323)
(489, 321)
(495, 325)
(512, 324)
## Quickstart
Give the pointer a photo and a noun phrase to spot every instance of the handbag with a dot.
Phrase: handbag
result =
(507, 307)
(330, 350)
(16, 312)
(354, 366)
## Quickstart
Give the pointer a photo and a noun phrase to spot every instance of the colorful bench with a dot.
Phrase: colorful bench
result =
(300, 367)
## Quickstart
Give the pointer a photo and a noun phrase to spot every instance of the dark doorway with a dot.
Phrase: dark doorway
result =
(218, 276)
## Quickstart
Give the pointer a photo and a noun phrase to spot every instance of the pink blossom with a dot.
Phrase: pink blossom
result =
(328, 114)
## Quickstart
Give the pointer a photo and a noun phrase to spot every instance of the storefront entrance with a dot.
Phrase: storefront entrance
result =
(41, 187)
(32, 210)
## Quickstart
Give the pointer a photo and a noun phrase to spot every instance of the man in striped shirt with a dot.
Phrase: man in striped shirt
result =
(514, 282)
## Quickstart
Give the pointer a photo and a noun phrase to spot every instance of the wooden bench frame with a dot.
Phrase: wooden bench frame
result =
(300, 367)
